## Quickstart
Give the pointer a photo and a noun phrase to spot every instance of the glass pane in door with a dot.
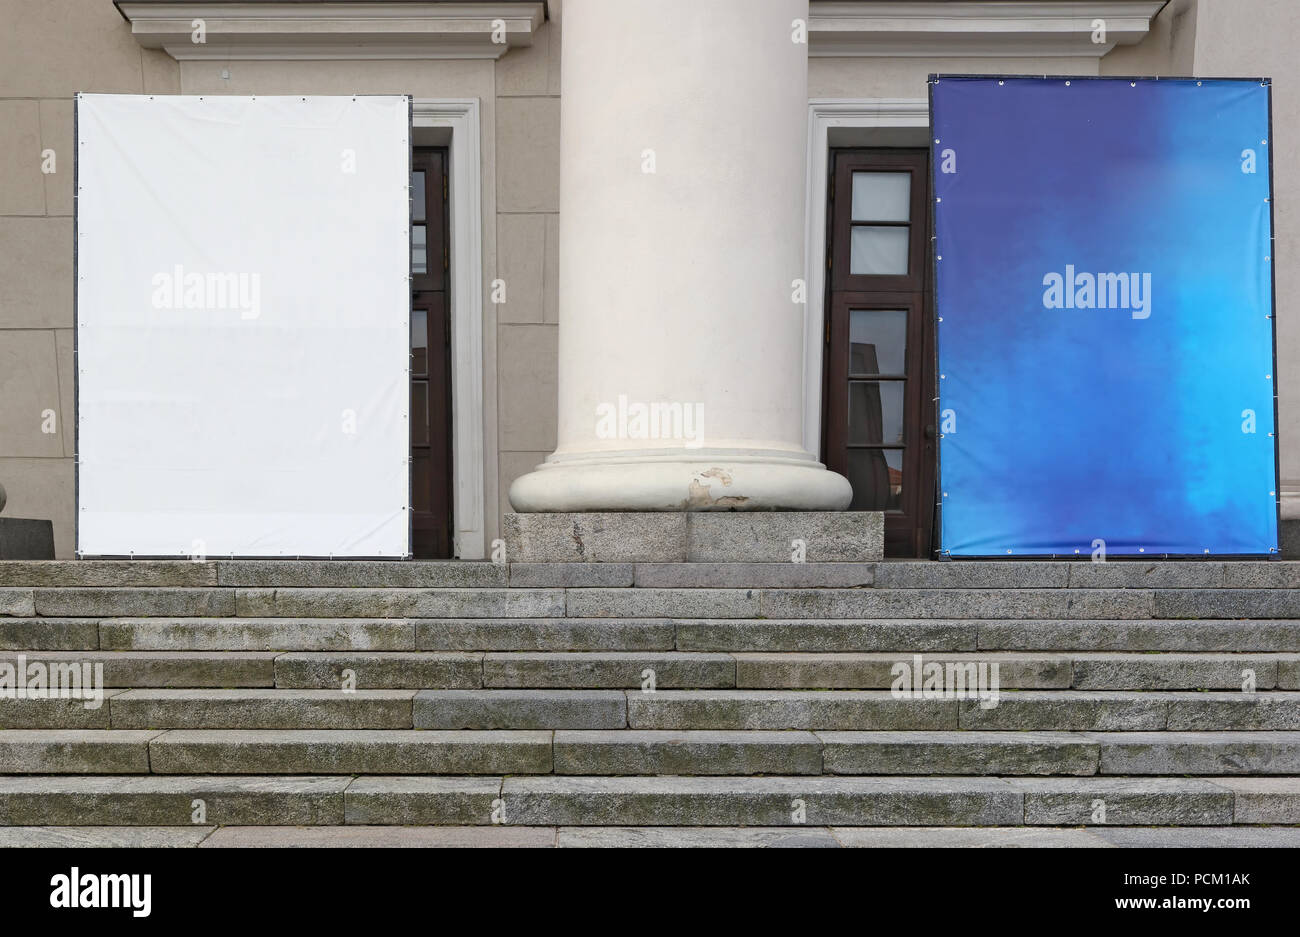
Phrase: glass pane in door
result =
(877, 342)
(877, 479)
(879, 251)
(882, 196)
(875, 413)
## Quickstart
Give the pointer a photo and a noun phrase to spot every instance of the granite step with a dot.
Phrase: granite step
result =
(169, 633)
(713, 837)
(689, 801)
(1165, 753)
(608, 669)
(1026, 670)
(255, 602)
(635, 751)
(959, 753)
(520, 709)
(152, 800)
(1002, 574)
(75, 751)
(909, 636)
(259, 709)
(777, 710)
(344, 751)
(441, 670)
(576, 706)
(901, 637)
(161, 668)
(1200, 753)
(1095, 803)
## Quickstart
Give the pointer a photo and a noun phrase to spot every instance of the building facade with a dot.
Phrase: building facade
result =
(745, 299)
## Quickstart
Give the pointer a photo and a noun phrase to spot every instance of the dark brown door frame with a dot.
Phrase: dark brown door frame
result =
(431, 472)
(909, 530)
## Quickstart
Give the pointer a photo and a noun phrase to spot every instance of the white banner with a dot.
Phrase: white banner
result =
(242, 321)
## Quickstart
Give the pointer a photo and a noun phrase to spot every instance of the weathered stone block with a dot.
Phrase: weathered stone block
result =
(608, 669)
(1172, 671)
(520, 709)
(261, 709)
(667, 837)
(1225, 753)
(49, 634)
(971, 574)
(238, 634)
(955, 603)
(342, 751)
(17, 602)
(826, 635)
(769, 536)
(322, 574)
(1190, 635)
(571, 575)
(114, 573)
(74, 751)
(630, 751)
(760, 801)
(1125, 801)
(56, 713)
(167, 668)
(1147, 574)
(650, 537)
(1264, 800)
(1234, 711)
(1227, 603)
(85, 602)
(875, 671)
(786, 709)
(542, 634)
(1068, 710)
(754, 575)
(422, 800)
(443, 670)
(959, 753)
(400, 603)
(655, 603)
(149, 800)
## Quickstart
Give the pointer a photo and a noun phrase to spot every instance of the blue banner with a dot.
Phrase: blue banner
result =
(1104, 299)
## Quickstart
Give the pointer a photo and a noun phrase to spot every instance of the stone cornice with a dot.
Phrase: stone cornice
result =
(317, 30)
(1032, 28)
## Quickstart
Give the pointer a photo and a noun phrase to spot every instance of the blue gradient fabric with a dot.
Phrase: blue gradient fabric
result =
(1105, 334)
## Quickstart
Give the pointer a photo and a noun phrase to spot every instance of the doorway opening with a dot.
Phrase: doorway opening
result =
(431, 472)
(878, 426)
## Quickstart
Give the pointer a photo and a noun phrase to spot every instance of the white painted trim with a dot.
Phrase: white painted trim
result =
(249, 29)
(1290, 501)
(823, 114)
(465, 185)
(1002, 28)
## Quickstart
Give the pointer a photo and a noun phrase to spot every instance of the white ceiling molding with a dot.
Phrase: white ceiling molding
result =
(981, 28)
(253, 29)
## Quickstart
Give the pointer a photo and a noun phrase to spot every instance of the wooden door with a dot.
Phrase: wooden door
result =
(879, 424)
(431, 479)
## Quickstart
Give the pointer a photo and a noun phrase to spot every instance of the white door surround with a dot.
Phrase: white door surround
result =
(841, 122)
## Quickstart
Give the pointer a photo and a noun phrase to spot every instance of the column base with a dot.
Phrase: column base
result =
(727, 484)
(698, 537)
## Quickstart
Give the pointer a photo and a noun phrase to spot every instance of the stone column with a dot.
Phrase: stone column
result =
(682, 150)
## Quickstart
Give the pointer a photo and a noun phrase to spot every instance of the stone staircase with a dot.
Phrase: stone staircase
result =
(332, 693)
